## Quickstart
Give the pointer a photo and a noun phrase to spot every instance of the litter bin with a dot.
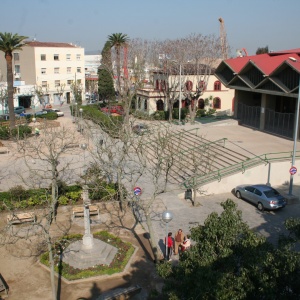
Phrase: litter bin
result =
(188, 195)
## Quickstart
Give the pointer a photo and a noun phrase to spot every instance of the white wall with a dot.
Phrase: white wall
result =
(279, 174)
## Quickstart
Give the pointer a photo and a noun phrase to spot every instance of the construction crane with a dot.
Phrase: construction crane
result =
(223, 39)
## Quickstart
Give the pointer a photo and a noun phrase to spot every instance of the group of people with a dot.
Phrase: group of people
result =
(180, 243)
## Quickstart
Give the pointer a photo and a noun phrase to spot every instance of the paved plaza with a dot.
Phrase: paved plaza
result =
(185, 216)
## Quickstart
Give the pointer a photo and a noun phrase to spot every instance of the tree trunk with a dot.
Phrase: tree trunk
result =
(10, 90)
(153, 241)
(52, 273)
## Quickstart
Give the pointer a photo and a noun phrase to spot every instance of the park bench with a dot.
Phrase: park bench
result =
(4, 150)
(121, 294)
(3, 285)
(78, 211)
(21, 218)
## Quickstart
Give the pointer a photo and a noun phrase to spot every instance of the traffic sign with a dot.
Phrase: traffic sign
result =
(293, 170)
(137, 191)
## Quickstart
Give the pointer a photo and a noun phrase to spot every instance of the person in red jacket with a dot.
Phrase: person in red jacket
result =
(169, 246)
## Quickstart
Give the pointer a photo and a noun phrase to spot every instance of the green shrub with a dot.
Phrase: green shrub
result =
(210, 111)
(73, 196)
(4, 133)
(18, 192)
(63, 200)
(160, 115)
(201, 113)
(21, 131)
(48, 116)
(175, 114)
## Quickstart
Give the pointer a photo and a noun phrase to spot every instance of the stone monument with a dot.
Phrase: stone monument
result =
(89, 251)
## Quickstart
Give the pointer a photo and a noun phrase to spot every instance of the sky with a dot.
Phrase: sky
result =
(249, 24)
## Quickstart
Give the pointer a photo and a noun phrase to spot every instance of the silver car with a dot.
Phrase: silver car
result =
(262, 195)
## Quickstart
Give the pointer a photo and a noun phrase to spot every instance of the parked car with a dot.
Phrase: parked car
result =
(262, 195)
(57, 111)
(19, 109)
(40, 113)
(140, 129)
(115, 109)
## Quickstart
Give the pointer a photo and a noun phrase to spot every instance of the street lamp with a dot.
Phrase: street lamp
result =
(179, 94)
(80, 125)
(167, 217)
(84, 147)
(76, 111)
(295, 134)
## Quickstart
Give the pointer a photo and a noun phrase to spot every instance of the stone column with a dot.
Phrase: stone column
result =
(88, 239)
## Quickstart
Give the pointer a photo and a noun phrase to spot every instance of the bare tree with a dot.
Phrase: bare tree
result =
(43, 163)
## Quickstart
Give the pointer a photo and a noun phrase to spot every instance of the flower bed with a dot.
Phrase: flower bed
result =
(125, 251)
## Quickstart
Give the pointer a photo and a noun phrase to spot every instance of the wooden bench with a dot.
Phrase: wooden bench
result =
(3, 285)
(121, 294)
(21, 218)
(78, 211)
(4, 150)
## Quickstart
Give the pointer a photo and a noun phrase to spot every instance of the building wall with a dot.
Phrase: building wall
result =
(225, 95)
(57, 73)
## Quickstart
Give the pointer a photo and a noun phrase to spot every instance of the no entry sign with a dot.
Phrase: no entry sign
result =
(293, 170)
(137, 191)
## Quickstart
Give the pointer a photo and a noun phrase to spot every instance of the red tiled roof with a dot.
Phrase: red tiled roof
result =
(49, 44)
(267, 62)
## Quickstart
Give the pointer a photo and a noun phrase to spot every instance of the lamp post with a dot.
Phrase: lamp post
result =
(76, 112)
(80, 125)
(295, 139)
(167, 217)
(84, 147)
(179, 113)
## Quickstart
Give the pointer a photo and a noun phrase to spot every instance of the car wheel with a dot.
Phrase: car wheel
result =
(260, 207)
(238, 194)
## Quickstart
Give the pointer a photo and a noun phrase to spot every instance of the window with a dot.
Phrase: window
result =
(44, 84)
(16, 56)
(78, 56)
(56, 70)
(43, 71)
(68, 57)
(201, 103)
(17, 69)
(57, 83)
(56, 57)
(43, 56)
(202, 85)
(69, 69)
(69, 82)
(78, 70)
(157, 84)
(217, 103)
(217, 85)
(189, 85)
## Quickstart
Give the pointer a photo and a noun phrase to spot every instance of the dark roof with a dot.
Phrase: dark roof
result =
(50, 44)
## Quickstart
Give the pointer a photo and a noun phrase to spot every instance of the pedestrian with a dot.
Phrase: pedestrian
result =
(179, 238)
(169, 243)
(37, 131)
(186, 243)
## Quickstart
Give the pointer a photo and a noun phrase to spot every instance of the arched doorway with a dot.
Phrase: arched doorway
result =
(160, 105)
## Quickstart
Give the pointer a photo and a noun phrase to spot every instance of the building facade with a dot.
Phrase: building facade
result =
(266, 89)
(52, 68)
(153, 98)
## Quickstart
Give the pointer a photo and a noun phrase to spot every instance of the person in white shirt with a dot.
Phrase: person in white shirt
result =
(186, 244)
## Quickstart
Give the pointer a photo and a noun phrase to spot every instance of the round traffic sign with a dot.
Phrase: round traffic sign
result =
(137, 190)
(293, 170)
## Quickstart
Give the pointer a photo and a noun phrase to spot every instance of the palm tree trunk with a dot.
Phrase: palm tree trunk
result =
(118, 72)
(10, 90)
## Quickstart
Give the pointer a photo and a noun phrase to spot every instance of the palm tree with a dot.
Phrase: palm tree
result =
(118, 40)
(8, 44)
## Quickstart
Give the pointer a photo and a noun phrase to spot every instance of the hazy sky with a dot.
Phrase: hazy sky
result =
(249, 23)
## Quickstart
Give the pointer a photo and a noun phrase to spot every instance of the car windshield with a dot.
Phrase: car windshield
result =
(271, 193)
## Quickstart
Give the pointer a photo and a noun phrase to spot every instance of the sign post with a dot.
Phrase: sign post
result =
(293, 170)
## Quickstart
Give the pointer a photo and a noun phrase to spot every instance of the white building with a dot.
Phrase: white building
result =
(152, 98)
(53, 67)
